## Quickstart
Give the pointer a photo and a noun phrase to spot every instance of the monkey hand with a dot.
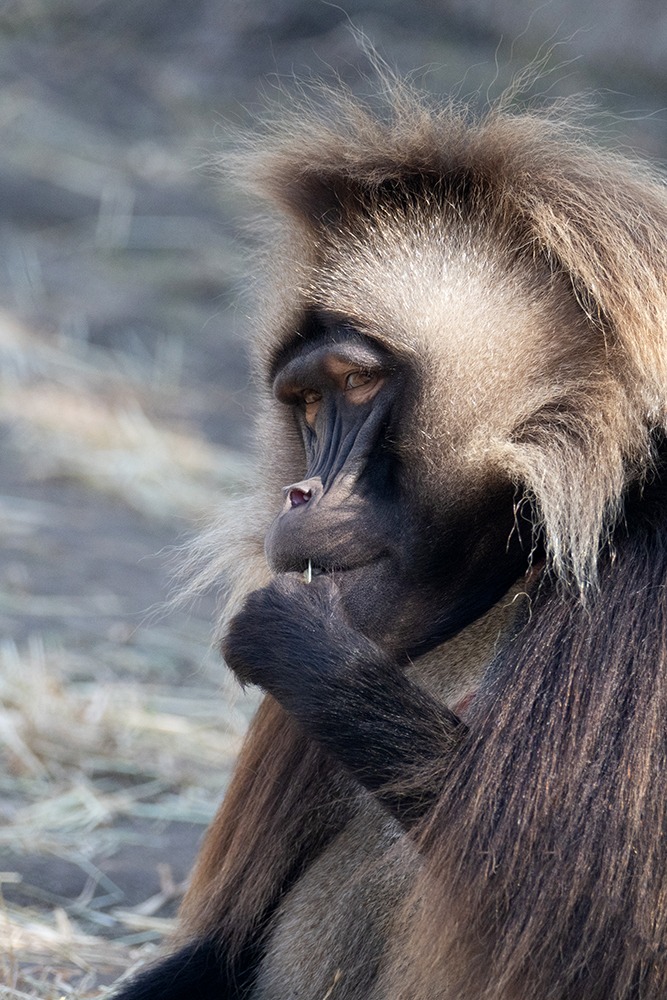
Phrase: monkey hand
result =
(348, 694)
(291, 634)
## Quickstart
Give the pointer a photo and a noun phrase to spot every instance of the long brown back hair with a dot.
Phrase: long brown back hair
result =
(549, 839)
(545, 856)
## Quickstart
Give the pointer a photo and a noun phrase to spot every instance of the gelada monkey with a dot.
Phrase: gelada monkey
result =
(449, 574)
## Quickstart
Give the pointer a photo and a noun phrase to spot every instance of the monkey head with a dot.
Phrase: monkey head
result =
(445, 401)
(405, 392)
(409, 573)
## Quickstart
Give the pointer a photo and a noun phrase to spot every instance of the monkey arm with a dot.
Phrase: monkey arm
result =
(388, 732)
(346, 693)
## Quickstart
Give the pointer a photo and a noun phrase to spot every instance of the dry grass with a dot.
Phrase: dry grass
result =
(91, 748)
(48, 958)
(80, 757)
(78, 414)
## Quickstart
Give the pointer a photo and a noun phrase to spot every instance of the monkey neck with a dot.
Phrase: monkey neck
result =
(453, 671)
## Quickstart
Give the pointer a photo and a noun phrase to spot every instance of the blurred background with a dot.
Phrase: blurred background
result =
(125, 404)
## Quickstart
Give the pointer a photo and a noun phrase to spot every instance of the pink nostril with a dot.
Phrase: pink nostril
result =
(298, 498)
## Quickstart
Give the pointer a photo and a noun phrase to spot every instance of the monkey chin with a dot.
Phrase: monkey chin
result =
(382, 602)
(373, 597)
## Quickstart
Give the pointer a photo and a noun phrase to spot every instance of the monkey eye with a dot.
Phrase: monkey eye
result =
(356, 379)
(311, 396)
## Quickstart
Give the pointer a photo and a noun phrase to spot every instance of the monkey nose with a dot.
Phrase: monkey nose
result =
(299, 494)
(298, 497)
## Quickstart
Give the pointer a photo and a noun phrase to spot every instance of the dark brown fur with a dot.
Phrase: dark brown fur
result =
(267, 831)
(541, 871)
(565, 892)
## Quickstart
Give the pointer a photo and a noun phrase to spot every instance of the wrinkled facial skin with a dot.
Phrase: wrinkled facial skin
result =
(410, 575)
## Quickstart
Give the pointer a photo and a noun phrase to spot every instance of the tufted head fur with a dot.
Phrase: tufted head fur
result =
(541, 346)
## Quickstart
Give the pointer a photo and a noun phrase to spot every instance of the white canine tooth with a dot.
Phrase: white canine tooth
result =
(308, 572)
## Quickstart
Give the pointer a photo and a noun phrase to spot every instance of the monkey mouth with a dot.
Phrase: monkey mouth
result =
(309, 570)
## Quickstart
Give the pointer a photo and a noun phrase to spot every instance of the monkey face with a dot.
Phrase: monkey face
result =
(410, 573)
